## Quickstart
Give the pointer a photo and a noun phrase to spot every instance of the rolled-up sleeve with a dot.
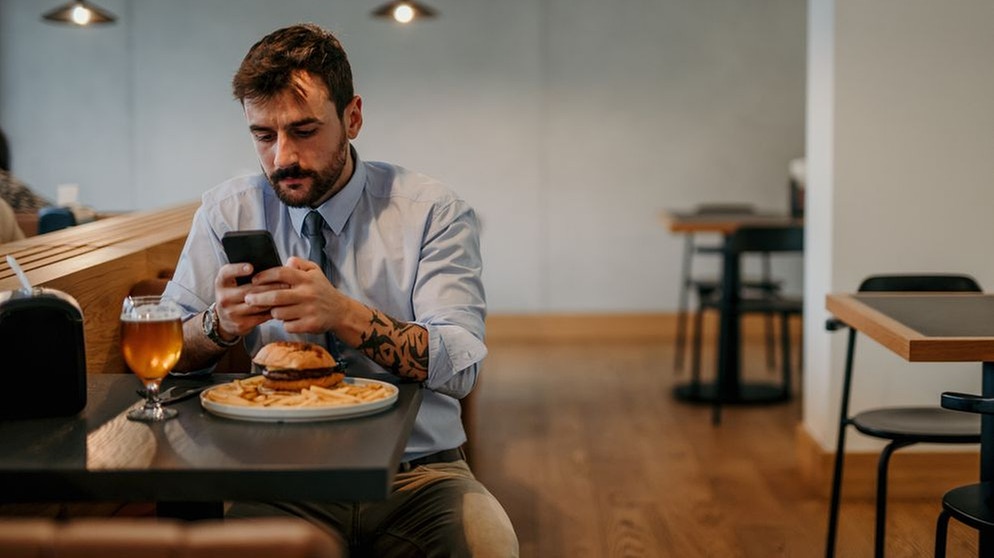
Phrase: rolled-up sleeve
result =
(192, 284)
(449, 299)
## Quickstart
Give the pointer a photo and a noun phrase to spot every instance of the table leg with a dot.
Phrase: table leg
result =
(729, 387)
(728, 329)
(729, 348)
(986, 543)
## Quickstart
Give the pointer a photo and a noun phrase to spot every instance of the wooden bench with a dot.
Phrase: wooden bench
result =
(98, 264)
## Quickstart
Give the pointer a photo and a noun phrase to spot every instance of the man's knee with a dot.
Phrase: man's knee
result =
(486, 527)
(455, 515)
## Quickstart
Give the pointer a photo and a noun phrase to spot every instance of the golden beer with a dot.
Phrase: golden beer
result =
(151, 342)
(151, 347)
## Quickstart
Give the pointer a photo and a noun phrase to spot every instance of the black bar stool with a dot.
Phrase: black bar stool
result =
(970, 504)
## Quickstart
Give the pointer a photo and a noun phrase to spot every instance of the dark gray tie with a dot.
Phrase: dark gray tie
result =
(314, 231)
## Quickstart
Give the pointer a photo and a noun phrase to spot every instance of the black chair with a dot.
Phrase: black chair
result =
(706, 287)
(970, 504)
(745, 241)
(903, 426)
(796, 187)
(795, 196)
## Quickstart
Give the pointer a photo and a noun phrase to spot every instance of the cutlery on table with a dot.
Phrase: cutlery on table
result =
(169, 395)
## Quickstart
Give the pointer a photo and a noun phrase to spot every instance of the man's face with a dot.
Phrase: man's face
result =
(302, 143)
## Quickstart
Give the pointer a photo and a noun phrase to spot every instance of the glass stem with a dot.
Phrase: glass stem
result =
(152, 395)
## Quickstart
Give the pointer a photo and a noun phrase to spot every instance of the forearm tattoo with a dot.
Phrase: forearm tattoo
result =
(399, 346)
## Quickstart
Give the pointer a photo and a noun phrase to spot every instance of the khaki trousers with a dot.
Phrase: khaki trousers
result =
(434, 510)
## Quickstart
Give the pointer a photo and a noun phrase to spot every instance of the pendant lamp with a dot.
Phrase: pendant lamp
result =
(404, 11)
(81, 13)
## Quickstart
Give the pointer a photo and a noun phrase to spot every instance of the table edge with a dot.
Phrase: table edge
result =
(908, 343)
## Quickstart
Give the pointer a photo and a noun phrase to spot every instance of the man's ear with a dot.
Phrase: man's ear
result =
(353, 117)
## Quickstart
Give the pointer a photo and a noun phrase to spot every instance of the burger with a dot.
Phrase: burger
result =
(293, 366)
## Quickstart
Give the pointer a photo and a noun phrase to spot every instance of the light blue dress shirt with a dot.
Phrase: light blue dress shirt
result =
(397, 241)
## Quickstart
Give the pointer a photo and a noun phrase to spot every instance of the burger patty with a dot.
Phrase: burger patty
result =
(297, 374)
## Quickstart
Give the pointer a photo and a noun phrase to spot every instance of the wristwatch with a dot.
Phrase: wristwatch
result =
(210, 324)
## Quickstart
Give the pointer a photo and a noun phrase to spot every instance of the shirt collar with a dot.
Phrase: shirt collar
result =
(337, 209)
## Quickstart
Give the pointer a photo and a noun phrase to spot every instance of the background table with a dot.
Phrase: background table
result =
(689, 222)
(932, 328)
(732, 389)
(199, 457)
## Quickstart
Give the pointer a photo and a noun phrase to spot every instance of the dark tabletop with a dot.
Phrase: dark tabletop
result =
(199, 457)
(937, 315)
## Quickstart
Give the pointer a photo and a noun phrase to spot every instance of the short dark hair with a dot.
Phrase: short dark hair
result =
(269, 66)
(4, 153)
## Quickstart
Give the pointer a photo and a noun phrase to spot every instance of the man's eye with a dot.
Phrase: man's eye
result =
(306, 133)
(264, 138)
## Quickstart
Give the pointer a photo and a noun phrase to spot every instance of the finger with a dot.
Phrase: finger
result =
(246, 324)
(272, 275)
(228, 275)
(301, 264)
(288, 313)
(266, 287)
(248, 311)
(241, 318)
(269, 298)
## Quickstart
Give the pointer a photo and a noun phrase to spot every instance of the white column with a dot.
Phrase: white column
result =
(900, 143)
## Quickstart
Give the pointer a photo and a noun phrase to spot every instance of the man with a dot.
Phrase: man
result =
(400, 291)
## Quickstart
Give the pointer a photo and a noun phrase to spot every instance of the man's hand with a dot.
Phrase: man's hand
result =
(235, 316)
(300, 295)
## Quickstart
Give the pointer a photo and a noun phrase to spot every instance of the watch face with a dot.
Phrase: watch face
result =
(209, 321)
(211, 329)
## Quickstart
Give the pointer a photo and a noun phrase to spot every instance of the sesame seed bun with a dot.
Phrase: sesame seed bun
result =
(293, 366)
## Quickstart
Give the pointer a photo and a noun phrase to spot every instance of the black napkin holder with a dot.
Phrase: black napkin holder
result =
(43, 370)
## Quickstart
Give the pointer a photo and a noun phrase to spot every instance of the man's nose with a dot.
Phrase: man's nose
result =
(286, 152)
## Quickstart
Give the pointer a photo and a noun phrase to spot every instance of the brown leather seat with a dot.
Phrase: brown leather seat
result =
(154, 538)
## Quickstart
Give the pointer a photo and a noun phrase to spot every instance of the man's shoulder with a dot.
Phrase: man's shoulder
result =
(235, 190)
(240, 203)
(389, 181)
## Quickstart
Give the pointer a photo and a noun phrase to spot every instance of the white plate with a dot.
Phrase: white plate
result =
(304, 414)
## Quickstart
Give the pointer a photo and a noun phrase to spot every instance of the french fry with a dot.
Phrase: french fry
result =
(247, 393)
(337, 394)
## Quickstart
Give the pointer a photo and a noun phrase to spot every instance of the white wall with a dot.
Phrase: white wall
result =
(901, 141)
(567, 123)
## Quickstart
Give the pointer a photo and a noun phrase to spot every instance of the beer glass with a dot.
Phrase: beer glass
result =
(151, 341)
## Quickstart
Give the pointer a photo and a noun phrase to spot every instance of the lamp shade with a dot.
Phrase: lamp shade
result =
(81, 13)
(404, 11)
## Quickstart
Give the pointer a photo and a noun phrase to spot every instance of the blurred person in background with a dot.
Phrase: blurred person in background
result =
(17, 194)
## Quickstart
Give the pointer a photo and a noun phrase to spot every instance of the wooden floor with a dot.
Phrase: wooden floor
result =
(591, 456)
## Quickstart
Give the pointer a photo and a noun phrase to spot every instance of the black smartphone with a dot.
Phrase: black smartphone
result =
(254, 247)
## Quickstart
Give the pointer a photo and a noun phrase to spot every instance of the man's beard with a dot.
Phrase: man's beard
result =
(322, 182)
